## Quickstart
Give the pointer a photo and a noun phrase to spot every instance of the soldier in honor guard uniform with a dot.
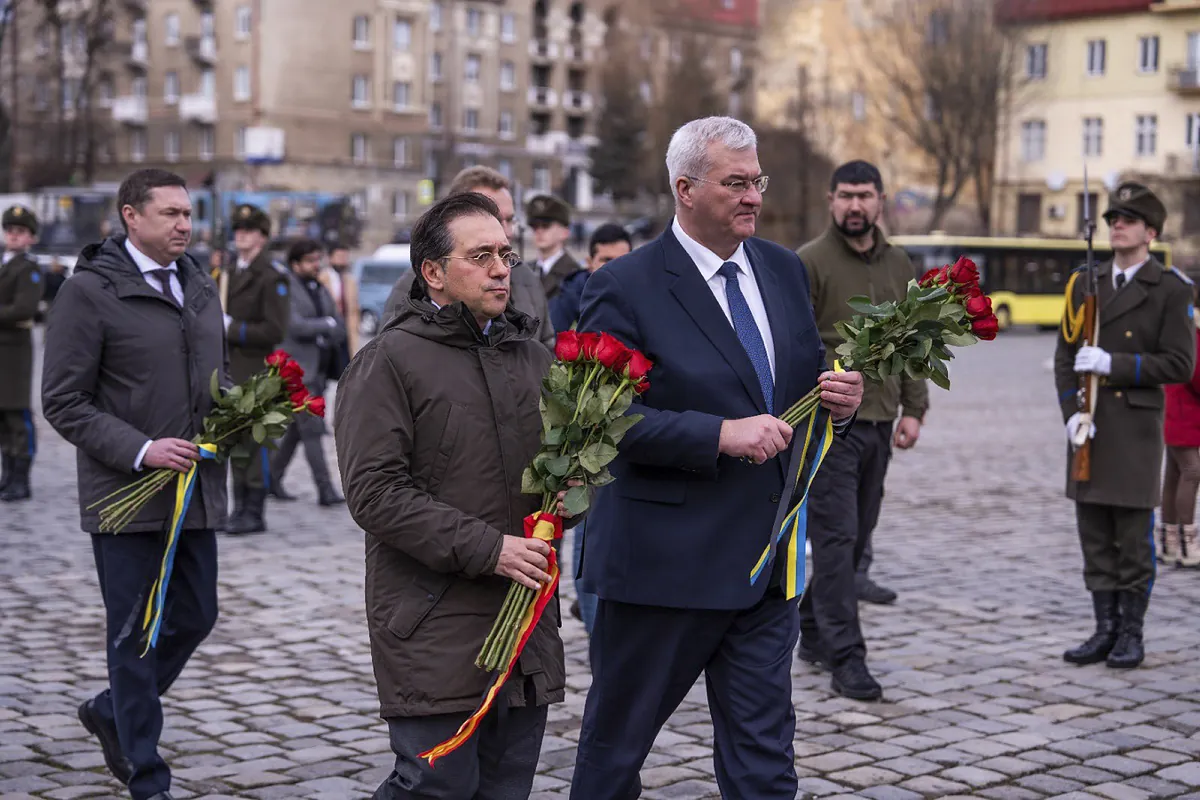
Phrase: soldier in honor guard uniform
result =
(1146, 340)
(550, 219)
(256, 320)
(21, 291)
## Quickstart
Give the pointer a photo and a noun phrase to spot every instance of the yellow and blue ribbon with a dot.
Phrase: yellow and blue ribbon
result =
(184, 486)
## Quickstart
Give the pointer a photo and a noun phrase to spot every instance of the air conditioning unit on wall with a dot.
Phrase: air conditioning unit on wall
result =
(1057, 212)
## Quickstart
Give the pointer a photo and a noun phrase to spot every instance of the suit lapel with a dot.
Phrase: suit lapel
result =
(772, 295)
(697, 300)
(1115, 304)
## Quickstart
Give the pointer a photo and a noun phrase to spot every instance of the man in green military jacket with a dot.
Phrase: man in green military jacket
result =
(1146, 340)
(21, 290)
(256, 321)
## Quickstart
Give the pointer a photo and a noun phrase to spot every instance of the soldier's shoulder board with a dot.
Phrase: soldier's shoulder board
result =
(280, 268)
(1178, 273)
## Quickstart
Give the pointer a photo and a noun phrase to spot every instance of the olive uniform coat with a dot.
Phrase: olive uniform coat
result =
(259, 304)
(21, 289)
(1147, 328)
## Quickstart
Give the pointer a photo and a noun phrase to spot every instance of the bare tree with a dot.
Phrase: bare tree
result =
(949, 79)
(618, 159)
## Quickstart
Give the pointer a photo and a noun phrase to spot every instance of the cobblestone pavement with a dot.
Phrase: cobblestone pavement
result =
(975, 536)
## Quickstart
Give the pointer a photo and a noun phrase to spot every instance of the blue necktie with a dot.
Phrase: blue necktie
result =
(747, 331)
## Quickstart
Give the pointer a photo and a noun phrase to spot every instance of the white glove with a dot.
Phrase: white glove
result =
(228, 321)
(331, 322)
(1093, 360)
(1077, 434)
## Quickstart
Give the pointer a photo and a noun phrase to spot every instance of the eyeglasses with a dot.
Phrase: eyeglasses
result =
(484, 260)
(737, 185)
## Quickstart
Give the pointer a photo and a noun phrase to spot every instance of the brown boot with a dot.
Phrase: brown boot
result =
(1189, 546)
(1166, 542)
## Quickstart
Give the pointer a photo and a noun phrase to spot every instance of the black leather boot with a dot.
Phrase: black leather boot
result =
(18, 485)
(1096, 649)
(278, 492)
(328, 496)
(251, 519)
(1128, 652)
(5, 471)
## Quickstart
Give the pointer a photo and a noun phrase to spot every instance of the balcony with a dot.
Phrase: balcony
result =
(203, 49)
(577, 102)
(139, 55)
(541, 50)
(542, 97)
(1185, 163)
(130, 110)
(543, 145)
(198, 108)
(577, 53)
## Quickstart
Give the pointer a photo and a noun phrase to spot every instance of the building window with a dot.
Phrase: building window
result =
(400, 204)
(243, 21)
(735, 105)
(1033, 140)
(474, 21)
(137, 146)
(138, 86)
(646, 91)
(508, 76)
(104, 91)
(400, 155)
(508, 28)
(1192, 138)
(735, 61)
(471, 119)
(1096, 50)
(858, 106)
(504, 167)
(171, 146)
(435, 16)
(1093, 136)
(938, 31)
(506, 125)
(1146, 135)
(241, 84)
(471, 72)
(171, 88)
(69, 89)
(139, 30)
(207, 144)
(402, 35)
(400, 95)
(1035, 61)
(1148, 54)
(646, 46)
(435, 116)
(541, 178)
(208, 25)
(362, 32)
(358, 148)
(208, 83)
(239, 142)
(435, 67)
(360, 91)
(172, 26)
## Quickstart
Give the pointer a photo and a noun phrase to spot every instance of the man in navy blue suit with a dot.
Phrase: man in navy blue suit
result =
(728, 322)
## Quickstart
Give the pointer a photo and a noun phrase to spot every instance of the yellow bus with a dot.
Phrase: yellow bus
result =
(1025, 278)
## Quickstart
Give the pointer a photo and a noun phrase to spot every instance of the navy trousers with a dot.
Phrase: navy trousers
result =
(127, 565)
(645, 659)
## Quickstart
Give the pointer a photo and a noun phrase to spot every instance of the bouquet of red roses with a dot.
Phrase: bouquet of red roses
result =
(586, 395)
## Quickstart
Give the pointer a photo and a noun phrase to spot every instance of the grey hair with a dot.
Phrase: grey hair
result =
(687, 154)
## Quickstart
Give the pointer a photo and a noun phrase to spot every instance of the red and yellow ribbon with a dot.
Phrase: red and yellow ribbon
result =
(546, 527)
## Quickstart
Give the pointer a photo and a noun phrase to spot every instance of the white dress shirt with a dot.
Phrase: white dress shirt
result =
(147, 264)
(1128, 272)
(709, 264)
(548, 264)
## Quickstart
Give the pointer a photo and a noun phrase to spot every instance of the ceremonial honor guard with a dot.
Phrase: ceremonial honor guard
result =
(21, 291)
(550, 219)
(256, 320)
(1109, 373)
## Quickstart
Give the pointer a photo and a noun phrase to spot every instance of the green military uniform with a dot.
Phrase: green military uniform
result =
(258, 307)
(21, 289)
(1146, 328)
(548, 208)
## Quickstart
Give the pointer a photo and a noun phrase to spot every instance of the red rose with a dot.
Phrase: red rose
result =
(637, 367)
(611, 353)
(316, 406)
(972, 291)
(568, 346)
(588, 342)
(964, 272)
(299, 398)
(930, 278)
(278, 359)
(641, 387)
(986, 328)
(979, 307)
(293, 376)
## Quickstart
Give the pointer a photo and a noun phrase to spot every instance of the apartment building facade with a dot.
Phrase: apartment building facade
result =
(1116, 86)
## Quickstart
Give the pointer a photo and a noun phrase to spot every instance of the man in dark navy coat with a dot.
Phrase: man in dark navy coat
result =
(728, 322)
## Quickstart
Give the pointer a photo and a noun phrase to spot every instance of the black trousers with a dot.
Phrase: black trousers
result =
(127, 565)
(309, 431)
(497, 763)
(1118, 547)
(18, 436)
(843, 506)
(645, 659)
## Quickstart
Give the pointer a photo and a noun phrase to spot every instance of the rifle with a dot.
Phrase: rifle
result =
(1085, 398)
